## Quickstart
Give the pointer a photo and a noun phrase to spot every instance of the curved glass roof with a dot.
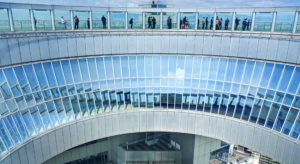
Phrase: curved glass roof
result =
(43, 95)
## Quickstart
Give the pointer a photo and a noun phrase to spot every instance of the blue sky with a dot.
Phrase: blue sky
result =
(177, 3)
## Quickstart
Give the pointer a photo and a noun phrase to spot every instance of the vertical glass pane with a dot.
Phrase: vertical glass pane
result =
(298, 24)
(296, 130)
(231, 105)
(135, 20)
(42, 20)
(4, 21)
(40, 75)
(62, 20)
(117, 20)
(286, 76)
(11, 128)
(81, 20)
(256, 109)
(84, 70)
(248, 72)
(205, 21)
(243, 21)
(169, 21)
(224, 21)
(67, 71)
(264, 112)
(239, 71)
(99, 19)
(49, 74)
(230, 69)
(21, 19)
(276, 76)
(58, 73)
(187, 20)
(3, 134)
(263, 21)
(152, 20)
(284, 21)
(266, 75)
(295, 81)
(257, 72)
(281, 117)
(289, 121)
(75, 70)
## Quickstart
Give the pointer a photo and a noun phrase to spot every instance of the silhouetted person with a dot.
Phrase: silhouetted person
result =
(35, 21)
(131, 23)
(103, 19)
(184, 22)
(206, 23)
(217, 23)
(150, 22)
(236, 23)
(203, 23)
(169, 22)
(88, 23)
(76, 22)
(153, 22)
(244, 24)
(211, 23)
(226, 24)
(220, 23)
(63, 22)
(248, 24)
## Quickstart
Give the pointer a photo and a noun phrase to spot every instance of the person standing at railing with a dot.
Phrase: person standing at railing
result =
(153, 22)
(131, 23)
(211, 23)
(76, 22)
(248, 24)
(169, 22)
(244, 24)
(35, 21)
(206, 23)
(150, 22)
(203, 23)
(220, 24)
(103, 19)
(226, 23)
(236, 23)
(63, 22)
(88, 23)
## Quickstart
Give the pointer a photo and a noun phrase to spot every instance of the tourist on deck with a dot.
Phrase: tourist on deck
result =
(63, 22)
(206, 23)
(169, 22)
(103, 19)
(244, 24)
(203, 23)
(153, 22)
(211, 23)
(150, 22)
(236, 23)
(88, 23)
(76, 22)
(226, 23)
(131, 23)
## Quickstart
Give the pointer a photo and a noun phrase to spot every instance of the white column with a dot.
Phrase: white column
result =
(197, 20)
(233, 21)
(144, 17)
(52, 19)
(295, 22)
(72, 20)
(214, 24)
(11, 20)
(178, 20)
(273, 21)
(253, 21)
(108, 20)
(126, 20)
(91, 19)
(32, 19)
(161, 21)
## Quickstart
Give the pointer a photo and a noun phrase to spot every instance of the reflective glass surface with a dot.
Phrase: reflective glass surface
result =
(223, 21)
(205, 21)
(22, 21)
(135, 20)
(187, 20)
(99, 19)
(42, 19)
(284, 21)
(169, 21)
(4, 21)
(81, 20)
(263, 21)
(298, 24)
(62, 20)
(243, 21)
(117, 20)
(152, 20)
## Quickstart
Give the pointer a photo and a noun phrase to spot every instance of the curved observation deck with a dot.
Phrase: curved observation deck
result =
(237, 86)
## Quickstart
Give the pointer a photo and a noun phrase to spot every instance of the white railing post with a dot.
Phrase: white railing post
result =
(72, 20)
(11, 20)
(233, 21)
(32, 19)
(197, 20)
(178, 20)
(108, 20)
(126, 20)
(161, 21)
(52, 19)
(295, 22)
(273, 21)
(144, 17)
(91, 19)
(215, 19)
(253, 21)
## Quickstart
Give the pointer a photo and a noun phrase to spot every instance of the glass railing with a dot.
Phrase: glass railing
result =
(262, 26)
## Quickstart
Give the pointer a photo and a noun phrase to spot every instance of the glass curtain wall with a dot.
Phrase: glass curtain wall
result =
(22, 21)
(117, 20)
(223, 21)
(135, 20)
(42, 19)
(81, 20)
(4, 21)
(99, 19)
(152, 20)
(298, 24)
(205, 21)
(187, 20)
(169, 20)
(263, 21)
(243, 21)
(62, 20)
(284, 22)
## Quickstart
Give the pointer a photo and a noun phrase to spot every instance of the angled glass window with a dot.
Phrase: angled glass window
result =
(205, 21)
(81, 20)
(20, 125)
(272, 115)
(36, 119)
(289, 121)
(58, 73)
(22, 21)
(49, 74)
(248, 72)
(284, 21)
(22, 79)
(67, 71)
(4, 21)
(263, 21)
(84, 70)
(42, 19)
(152, 20)
(4, 136)
(296, 130)
(230, 69)
(239, 71)
(243, 21)
(99, 19)
(148, 66)
(187, 20)
(256, 109)
(286, 76)
(276, 76)
(257, 72)
(264, 112)
(40, 75)
(169, 20)
(62, 20)
(75, 70)
(117, 20)
(28, 122)
(266, 74)
(294, 81)
(11, 128)
(197, 67)
(10, 76)
(281, 117)
(135, 20)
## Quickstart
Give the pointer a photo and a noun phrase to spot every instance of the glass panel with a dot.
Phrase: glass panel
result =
(239, 71)
(58, 73)
(284, 21)
(239, 107)
(117, 20)
(247, 109)
(81, 20)
(286, 76)
(281, 117)
(272, 115)
(135, 20)
(99, 19)
(276, 76)
(231, 105)
(84, 70)
(4, 136)
(224, 103)
(230, 69)
(4, 21)
(21, 19)
(187, 20)
(243, 21)
(224, 21)
(153, 20)
(62, 20)
(169, 21)
(11, 128)
(205, 21)
(289, 121)
(28, 122)
(263, 21)
(67, 71)
(295, 81)
(296, 130)
(49, 74)
(42, 20)
(298, 24)
(40, 75)
(37, 119)
(264, 112)
(256, 108)
(257, 72)
(266, 75)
